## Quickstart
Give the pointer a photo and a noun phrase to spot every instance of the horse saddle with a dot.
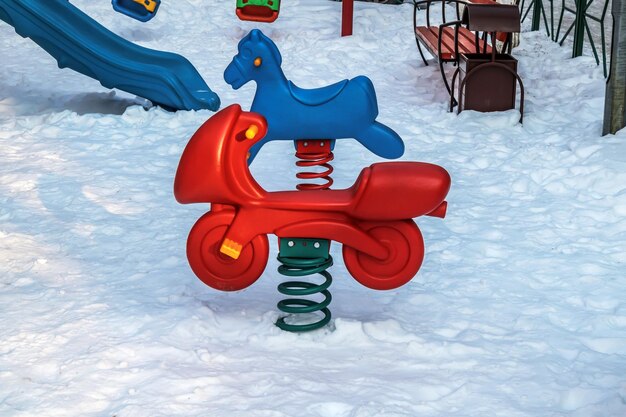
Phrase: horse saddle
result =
(316, 96)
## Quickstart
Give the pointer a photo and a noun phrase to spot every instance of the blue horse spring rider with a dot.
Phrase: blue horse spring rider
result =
(347, 109)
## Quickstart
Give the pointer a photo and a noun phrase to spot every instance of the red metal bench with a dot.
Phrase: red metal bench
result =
(449, 39)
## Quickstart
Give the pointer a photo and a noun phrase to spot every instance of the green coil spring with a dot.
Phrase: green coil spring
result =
(302, 257)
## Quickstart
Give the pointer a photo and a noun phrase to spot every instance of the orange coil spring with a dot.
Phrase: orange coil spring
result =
(314, 153)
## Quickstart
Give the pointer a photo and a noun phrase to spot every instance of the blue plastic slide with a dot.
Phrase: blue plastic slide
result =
(78, 42)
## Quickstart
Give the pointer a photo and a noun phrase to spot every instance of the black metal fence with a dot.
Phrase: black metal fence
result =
(584, 20)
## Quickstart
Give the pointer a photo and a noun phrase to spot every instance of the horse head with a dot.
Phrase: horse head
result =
(257, 59)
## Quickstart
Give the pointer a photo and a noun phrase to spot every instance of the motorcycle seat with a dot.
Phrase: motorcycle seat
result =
(383, 191)
(399, 190)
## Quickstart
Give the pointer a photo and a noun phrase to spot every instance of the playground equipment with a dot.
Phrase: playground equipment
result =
(78, 42)
(142, 10)
(267, 11)
(347, 109)
(258, 10)
(228, 247)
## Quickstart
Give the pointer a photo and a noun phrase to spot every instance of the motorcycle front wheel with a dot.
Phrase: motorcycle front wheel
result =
(217, 270)
(405, 247)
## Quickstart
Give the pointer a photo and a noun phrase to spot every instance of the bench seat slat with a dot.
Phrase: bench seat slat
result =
(428, 35)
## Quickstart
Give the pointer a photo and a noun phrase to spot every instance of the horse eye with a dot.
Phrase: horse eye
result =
(246, 53)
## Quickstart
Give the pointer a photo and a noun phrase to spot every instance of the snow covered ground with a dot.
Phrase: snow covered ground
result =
(518, 310)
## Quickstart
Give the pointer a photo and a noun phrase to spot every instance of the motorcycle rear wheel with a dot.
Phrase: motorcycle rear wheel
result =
(217, 270)
(405, 246)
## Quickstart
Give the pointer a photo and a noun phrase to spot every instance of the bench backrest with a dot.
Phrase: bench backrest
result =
(491, 18)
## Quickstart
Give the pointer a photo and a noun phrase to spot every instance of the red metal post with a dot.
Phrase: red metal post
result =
(347, 11)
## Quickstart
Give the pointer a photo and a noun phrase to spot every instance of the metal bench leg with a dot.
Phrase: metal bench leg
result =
(453, 102)
(419, 48)
(445, 81)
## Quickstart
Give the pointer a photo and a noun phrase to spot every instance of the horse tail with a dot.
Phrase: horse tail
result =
(382, 140)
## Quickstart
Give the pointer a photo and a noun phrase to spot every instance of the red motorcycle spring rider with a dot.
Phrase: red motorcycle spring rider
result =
(228, 247)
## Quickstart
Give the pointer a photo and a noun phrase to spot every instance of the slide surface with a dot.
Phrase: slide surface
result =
(78, 42)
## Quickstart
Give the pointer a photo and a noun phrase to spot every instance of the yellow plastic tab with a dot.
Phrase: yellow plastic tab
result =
(252, 131)
(231, 248)
(150, 5)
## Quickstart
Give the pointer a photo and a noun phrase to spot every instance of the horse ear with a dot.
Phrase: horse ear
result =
(270, 44)
(255, 34)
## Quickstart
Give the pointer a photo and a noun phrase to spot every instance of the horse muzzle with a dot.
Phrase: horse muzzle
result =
(232, 76)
